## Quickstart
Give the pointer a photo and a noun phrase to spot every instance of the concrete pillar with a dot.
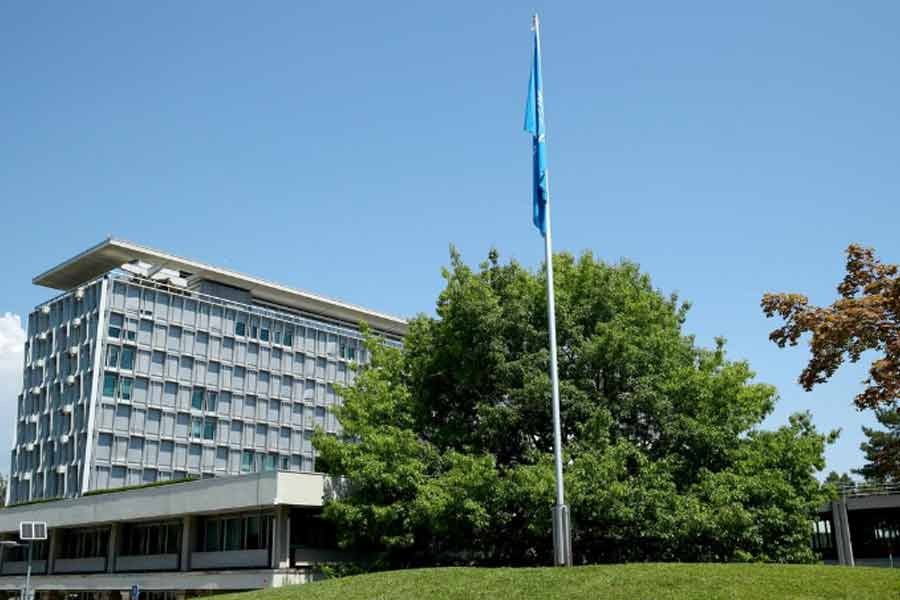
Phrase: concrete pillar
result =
(112, 548)
(125, 594)
(842, 532)
(52, 548)
(281, 538)
(180, 595)
(187, 538)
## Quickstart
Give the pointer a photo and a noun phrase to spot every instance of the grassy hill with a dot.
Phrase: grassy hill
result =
(605, 582)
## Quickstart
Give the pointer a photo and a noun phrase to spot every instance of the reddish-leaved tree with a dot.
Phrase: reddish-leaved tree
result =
(865, 317)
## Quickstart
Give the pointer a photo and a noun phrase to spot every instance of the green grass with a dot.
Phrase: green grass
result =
(605, 582)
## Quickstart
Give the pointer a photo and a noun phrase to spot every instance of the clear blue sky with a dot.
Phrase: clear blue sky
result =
(342, 147)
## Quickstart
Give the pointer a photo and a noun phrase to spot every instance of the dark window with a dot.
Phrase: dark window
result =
(115, 325)
(127, 360)
(112, 356)
(211, 541)
(109, 385)
(197, 399)
(232, 534)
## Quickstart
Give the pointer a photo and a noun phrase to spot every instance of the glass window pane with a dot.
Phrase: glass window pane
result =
(233, 534)
(125, 390)
(197, 399)
(112, 356)
(127, 361)
(109, 385)
(254, 535)
(211, 536)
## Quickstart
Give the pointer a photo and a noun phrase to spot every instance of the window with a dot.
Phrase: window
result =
(209, 429)
(270, 462)
(256, 535)
(109, 385)
(112, 356)
(212, 399)
(125, 386)
(197, 399)
(822, 537)
(83, 543)
(232, 534)
(196, 427)
(115, 325)
(211, 542)
(240, 328)
(288, 336)
(264, 334)
(127, 360)
(131, 330)
(261, 431)
(246, 461)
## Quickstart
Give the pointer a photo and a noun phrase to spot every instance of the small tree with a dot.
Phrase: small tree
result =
(882, 449)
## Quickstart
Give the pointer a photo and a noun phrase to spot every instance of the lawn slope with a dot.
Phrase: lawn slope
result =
(605, 582)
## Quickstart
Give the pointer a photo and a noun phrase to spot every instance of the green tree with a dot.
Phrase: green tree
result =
(448, 446)
(882, 449)
(840, 480)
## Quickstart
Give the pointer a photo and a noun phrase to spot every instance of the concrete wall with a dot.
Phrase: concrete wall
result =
(96, 564)
(247, 579)
(220, 494)
(230, 559)
(150, 562)
(19, 567)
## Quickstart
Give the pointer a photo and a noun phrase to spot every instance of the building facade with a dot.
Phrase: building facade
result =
(174, 540)
(149, 367)
(861, 527)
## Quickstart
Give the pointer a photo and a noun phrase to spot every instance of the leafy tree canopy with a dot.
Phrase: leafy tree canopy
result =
(865, 317)
(447, 443)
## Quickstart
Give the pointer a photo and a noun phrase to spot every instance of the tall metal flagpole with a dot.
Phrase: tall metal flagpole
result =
(562, 537)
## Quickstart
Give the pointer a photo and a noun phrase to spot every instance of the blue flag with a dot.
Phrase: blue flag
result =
(534, 124)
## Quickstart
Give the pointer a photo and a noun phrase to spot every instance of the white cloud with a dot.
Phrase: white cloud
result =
(12, 350)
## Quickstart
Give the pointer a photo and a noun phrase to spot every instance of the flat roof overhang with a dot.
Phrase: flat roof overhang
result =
(214, 495)
(112, 253)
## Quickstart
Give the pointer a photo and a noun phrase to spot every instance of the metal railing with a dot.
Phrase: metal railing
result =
(868, 489)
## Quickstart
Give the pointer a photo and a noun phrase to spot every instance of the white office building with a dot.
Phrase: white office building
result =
(150, 369)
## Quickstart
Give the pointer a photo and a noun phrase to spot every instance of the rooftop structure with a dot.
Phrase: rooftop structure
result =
(111, 254)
